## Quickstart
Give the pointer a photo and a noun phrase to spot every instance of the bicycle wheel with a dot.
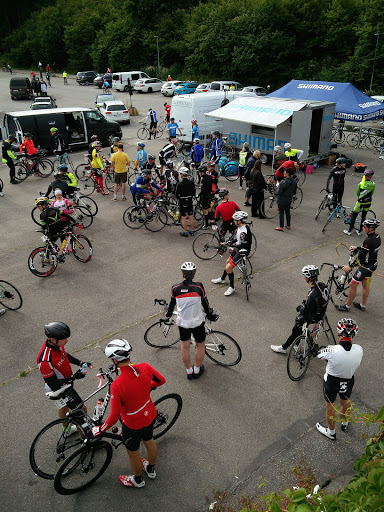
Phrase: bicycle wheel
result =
(161, 335)
(370, 142)
(42, 262)
(134, 217)
(301, 176)
(253, 247)
(329, 220)
(222, 349)
(45, 167)
(10, 296)
(81, 248)
(89, 203)
(370, 215)
(84, 216)
(83, 467)
(110, 181)
(298, 358)
(52, 446)
(168, 410)
(21, 172)
(231, 171)
(83, 170)
(206, 246)
(352, 139)
(142, 133)
(338, 136)
(269, 207)
(86, 185)
(199, 219)
(297, 199)
(155, 220)
(320, 208)
(159, 132)
(35, 214)
(227, 150)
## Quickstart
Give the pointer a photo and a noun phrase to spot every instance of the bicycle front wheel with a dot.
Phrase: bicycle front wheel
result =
(134, 217)
(370, 215)
(81, 248)
(84, 216)
(35, 214)
(222, 349)
(298, 358)
(156, 220)
(301, 176)
(231, 171)
(83, 170)
(297, 199)
(86, 185)
(42, 262)
(168, 409)
(89, 203)
(45, 167)
(161, 335)
(253, 247)
(329, 220)
(110, 181)
(269, 207)
(21, 172)
(206, 246)
(142, 133)
(10, 296)
(320, 208)
(83, 467)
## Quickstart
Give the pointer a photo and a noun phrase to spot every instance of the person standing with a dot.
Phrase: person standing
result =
(248, 167)
(197, 152)
(120, 162)
(43, 86)
(65, 74)
(32, 154)
(216, 150)
(141, 156)
(172, 128)
(9, 157)
(285, 192)
(48, 77)
(167, 109)
(256, 189)
(185, 192)
(191, 299)
(365, 191)
(115, 145)
(195, 130)
(58, 139)
(244, 156)
(342, 362)
(338, 175)
(166, 153)
(98, 167)
(131, 401)
(205, 195)
(151, 115)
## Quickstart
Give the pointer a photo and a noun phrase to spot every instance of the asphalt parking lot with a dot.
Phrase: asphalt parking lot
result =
(234, 420)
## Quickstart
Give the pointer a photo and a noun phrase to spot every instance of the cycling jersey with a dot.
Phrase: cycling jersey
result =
(114, 149)
(342, 362)
(216, 148)
(97, 160)
(190, 298)
(167, 109)
(168, 151)
(338, 175)
(288, 164)
(315, 304)
(195, 132)
(59, 143)
(70, 179)
(365, 191)
(29, 146)
(206, 186)
(7, 151)
(294, 154)
(142, 186)
(130, 396)
(197, 153)
(64, 206)
(243, 238)
(369, 250)
(141, 157)
(226, 210)
(172, 127)
(152, 116)
(172, 179)
(51, 219)
(54, 365)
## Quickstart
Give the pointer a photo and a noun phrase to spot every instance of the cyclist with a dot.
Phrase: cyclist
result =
(52, 220)
(215, 176)
(292, 154)
(279, 173)
(120, 164)
(31, 151)
(69, 178)
(150, 163)
(151, 115)
(141, 156)
(131, 401)
(168, 151)
(313, 308)
(367, 257)
(55, 366)
(190, 299)
(8, 156)
(58, 183)
(195, 130)
(243, 241)
(167, 109)
(205, 195)
(279, 157)
(342, 362)
(338, 174)
(172, 128)
(64, 205)
(185, 192)
(143, 185)
(197, 152)
(91, 147)
(365, 190)
(98, 167)
(244, 156)
(114, 147)
(285, 192)
(216, 150)
(225, 210)
(59, 142)
(171, 177)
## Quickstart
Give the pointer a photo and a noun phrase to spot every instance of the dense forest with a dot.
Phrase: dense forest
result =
(253, 41)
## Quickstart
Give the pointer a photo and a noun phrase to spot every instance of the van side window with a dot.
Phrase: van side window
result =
(135, 76)
(75, 126)
(93, 117)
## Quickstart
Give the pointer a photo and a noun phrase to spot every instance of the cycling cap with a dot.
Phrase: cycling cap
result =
(341, 160)
(371, 223)
(184, 171)
(287, 145)
(40, 201)
(58, 192)
(368, 172)
(193, 121)
(94, 137)
(27, 134)
(223, 192)
(310, 271)
(118, 349)
(151, 157)
(53, 129)
(347, 327)
(140, 144)
(169, 164)
(146, 172)
(197, 140)
(57, 330)
(277, 148)
(63, 167)
(239, 215)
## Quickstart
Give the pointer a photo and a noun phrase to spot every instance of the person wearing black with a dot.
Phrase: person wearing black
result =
(185, 192)
(248, 167)
(9, 157)
(51, 221)
(285, 192)
(338, 175)
(60, 147)
(166, 153)
(311, 311)
(205, 194)
(256, 189)
(59, 183)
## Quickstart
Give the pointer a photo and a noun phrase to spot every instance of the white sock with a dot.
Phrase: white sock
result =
(189, 371)
(332, 432)
(196, 369)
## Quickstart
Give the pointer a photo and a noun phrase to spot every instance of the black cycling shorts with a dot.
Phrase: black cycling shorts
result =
(71, 397)
(205, 202)
(186, 206)
(162, 160)
(153, 124)
(198, 333)
(132, 438)
(334, 386)
(361, 274)
(216, 159)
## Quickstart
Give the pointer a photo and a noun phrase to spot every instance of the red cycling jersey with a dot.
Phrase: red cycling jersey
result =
(130, 396)
(289, 164)
(226, 210)
(29, 146)
(54, 362)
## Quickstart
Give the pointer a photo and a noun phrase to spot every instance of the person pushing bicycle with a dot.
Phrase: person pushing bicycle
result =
(364, 192)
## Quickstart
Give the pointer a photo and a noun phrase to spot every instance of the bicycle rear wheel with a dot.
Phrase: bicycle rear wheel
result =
(84, 216)
(199, 219)
(168, 410)
(81, 248)
(10, 296)
(134, 217)
(110, 181)
(21, 172)
(45, 167)
(155, 220)
(231, 171)
(298, 358)
(42, 262)
(86, 464)
(222, 349)
(142, 133)
(89, 203)
(269, 207)
(35, 214)
(161, 335)
(253, 247)
(206, 246)
(320, 208)
(159, 132)
(301, 176)
(370, 215)
(297, 199)
(341, 291)
(86, 185)
(83, 170)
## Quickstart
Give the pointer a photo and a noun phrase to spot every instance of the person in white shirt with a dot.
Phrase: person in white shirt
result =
(342, 362)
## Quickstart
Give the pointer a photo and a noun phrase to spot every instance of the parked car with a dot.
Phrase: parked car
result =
(224, 85)
(45, 100)
(100, 98)
(115, 110)
(86, 77)
(100, 79)
(186, 88)
(20, 88)
(168, 88)
(148, 85)
(203, 88)
(257, 89)
(41, 106)
(122, 80)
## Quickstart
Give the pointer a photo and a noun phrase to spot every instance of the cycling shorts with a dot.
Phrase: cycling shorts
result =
(186, 206)
(361, 274)
(71, 398)
(162, 160)
(198, 333)
(361, 207)
(205, 202)
(334, 386)
(235, 257)
(132, 438)
(153, 124)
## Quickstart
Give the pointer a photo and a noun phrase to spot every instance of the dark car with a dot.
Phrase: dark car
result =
(86, 77)
(20, 88)
(100, 79)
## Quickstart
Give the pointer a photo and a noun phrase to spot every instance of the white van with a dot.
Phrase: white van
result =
(121, 81)
(225, 85)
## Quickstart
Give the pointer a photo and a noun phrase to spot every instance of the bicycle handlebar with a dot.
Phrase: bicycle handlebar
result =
(162, 302)
(335, 267)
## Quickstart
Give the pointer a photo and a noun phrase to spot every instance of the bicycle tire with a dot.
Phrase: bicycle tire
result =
(10, 293)
(89, 203)
(228, 150)
(157, 335)
(168, 410)
(370, 215)
(329, 220)
(50, 447)
(109, 181)
(84, 216)
(86, 185)
(301, 176)
(159, 132)
(299, 356)
(320, 208)
(206, 246)
(155, 220)
(35, 214)
(81, 243)
(198, 217)
(269, 208)
(89, 461)
(341, 291)
(219, 345)
(297, 199)
(45, 167)
(21, 172)
(46, 258)
(338, 137)
(231, 171)
(370, 142)
(247, 287)
(352, 139)
(134, 217)
(83, 170)
(253, 246)
(142, 133)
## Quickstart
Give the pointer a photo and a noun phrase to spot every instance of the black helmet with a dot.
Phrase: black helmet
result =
(28, 134)
(63, 167)
(12, 136)
(151, 157)
(216, 133)
(146, 172)
(223, 192)
(57, 330)
(341, 160)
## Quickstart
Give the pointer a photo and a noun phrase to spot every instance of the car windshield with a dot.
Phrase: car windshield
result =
(114, 108)
(100, 98)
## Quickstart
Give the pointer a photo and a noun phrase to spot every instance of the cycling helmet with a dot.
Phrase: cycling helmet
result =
(287, 145)
(56, 173)
(140, 144)
(347, 327)
(216, 133)
(368, 172)
(41, 201)
(116, 138)
(184, 171)
(169, 164)
(27, 134)
(193, 121)
(97, 143)
(341, 160)
(277, 148)
(371, 223)
(203, 169)
(240, 215)
(63, 167)
(118, 349)
(12, 137)
(57, 330)
(196, 141)
(223, 192)
(189, 269)
(151, 157)
(310, 271)
(93, 138)
(146, 172)
(53, 129)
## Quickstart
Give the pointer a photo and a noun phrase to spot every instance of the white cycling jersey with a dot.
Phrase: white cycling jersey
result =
(341, 363)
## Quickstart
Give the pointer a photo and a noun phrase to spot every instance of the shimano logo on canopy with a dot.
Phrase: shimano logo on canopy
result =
(264, 110)
(316, 86)
(369, 104)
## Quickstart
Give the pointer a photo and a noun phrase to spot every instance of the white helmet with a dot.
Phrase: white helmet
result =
(239, 215)
(197, 140)
(287, 145)
(277, 148)
(184, 171)
(310, 271)
(188, 266)
(118, 349)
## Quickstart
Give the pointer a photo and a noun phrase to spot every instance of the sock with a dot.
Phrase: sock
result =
(196, 369)
(150, 468)
(206, 220)
(189, 371)
(224, 275)
(138, 479)
(332, 432)
(115, 197)
(231, 280)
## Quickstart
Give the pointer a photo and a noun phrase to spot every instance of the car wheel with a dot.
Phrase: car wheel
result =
(126, 88)
(109, 139)
(13, 98)
(149, 89)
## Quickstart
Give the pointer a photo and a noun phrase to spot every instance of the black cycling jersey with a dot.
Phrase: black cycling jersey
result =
(369, 249)
(315, 304)
(147, 165)
(185, 189)
(58, 184)
(168, 151)
(206, 186)
(338, 175)
(50, 220)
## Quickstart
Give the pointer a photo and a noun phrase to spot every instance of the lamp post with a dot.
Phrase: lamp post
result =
(158, 54)
(374, 60)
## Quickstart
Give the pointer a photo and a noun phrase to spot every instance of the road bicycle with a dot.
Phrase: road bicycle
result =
(143, 132)
(219, 346)
(162, 125)
(65, 449)
(367, 138)
(163, 211)
(345, 212)
(338, 134)
(340, 280)
(245, 268)
(326, 202)
(87, 183)
(10, 296)
(270, 208)
(43, 261)
(306, 346)
(64, 159)
(39, 166)
(208, 245)
(81, 214)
